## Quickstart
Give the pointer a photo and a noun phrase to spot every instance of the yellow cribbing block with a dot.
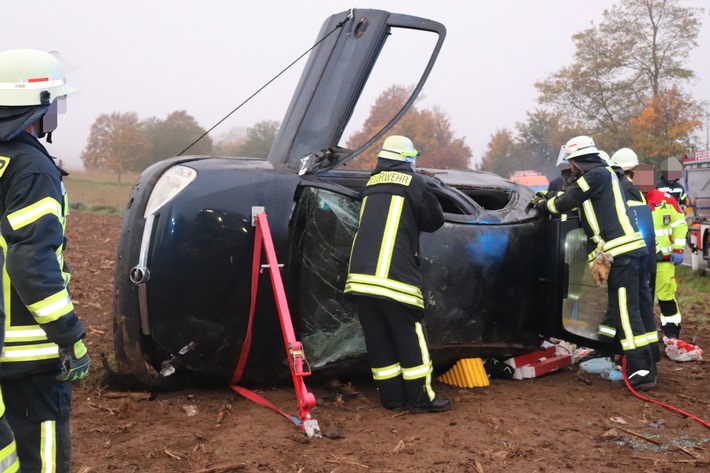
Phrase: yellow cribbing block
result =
(466, 373)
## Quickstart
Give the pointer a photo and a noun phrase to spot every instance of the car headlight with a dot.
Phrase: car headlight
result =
(170, 184)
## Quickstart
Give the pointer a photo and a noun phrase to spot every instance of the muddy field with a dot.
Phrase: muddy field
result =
(554, 423)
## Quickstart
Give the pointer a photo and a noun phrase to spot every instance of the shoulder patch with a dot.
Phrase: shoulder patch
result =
(4, 162)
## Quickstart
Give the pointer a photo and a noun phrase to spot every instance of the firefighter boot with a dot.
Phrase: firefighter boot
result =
(439, 404)
(393, 394)
(640, 369)
(420, 401)
(671, 330)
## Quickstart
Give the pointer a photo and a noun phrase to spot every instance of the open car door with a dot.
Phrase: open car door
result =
(575, 304)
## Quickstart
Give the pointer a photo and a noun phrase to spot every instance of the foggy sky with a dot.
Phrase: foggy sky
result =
(155, 57)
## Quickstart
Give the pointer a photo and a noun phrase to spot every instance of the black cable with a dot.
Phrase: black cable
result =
(339, 25)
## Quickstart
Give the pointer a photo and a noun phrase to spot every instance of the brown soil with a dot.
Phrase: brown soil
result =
(554, 423)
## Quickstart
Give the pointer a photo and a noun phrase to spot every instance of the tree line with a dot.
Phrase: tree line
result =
(626, 88)
(120, 142)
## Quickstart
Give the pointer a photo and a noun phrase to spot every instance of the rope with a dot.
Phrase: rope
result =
(653, 401)
(339, 25)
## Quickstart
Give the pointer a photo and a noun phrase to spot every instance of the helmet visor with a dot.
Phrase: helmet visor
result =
(561, 157)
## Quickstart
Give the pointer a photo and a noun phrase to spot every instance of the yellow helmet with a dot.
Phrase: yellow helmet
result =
(398, 148)
(31, 77)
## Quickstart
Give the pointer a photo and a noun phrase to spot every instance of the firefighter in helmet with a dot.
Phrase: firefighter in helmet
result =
(43, 349)
(624, 162)
(605, 219)
(385, 279)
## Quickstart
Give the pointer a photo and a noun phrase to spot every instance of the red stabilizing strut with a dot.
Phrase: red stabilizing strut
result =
(294, 350)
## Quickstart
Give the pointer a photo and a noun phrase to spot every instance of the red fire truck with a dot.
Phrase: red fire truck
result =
(697, 183)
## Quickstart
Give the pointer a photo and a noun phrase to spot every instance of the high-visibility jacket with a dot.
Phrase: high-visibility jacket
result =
(397, 205)
(33, 209)
(669, 223)
(605, 213)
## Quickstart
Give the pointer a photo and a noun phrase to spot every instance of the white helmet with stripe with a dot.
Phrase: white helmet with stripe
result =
(31, 77)
(580, 146)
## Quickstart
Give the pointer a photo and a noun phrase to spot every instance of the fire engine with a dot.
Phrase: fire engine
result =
(697, 182)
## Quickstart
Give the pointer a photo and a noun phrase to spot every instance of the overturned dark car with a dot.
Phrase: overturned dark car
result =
(498, 278)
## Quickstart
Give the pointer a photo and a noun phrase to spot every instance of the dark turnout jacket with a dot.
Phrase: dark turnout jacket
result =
(605, 213)
(33, 210)
(397, 204)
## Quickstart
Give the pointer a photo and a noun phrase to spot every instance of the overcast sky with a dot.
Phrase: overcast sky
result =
(155, 57)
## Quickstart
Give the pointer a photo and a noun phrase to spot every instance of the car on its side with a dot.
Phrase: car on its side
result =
(498, 276)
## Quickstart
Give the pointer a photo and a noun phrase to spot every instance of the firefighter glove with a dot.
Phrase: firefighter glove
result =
(601, 267)
(75, 362)
(676, 258)
(538, 202)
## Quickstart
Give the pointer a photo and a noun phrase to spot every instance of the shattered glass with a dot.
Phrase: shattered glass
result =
(325, 223)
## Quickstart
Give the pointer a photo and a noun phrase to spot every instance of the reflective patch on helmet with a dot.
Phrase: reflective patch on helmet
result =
(4, 163)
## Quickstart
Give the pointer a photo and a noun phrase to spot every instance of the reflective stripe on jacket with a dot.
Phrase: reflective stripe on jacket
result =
(397, 204)
(605, 213)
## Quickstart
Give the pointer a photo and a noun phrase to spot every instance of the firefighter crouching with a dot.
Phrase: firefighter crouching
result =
(614, 236)
(43, 349)
(385, 278)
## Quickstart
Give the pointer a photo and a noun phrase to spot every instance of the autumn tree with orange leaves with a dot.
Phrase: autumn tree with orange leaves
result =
(628, 77)
(663, 128)
(429, 129)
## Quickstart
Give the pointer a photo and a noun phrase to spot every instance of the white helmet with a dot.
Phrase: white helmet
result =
(626, 159)
(31, 77)
(398, 148)
(580, 146)
(605, 156)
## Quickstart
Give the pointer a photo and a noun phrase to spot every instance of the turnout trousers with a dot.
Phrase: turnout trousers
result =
(398, 351)
(626, 281)
(666, 287)
(38, 409)
(646, 308)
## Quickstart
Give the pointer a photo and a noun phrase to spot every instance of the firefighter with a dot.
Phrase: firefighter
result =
(614, 236)
(385, 278)
(624, 162)
(671, 229)
(43, 349)
(671, 172)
